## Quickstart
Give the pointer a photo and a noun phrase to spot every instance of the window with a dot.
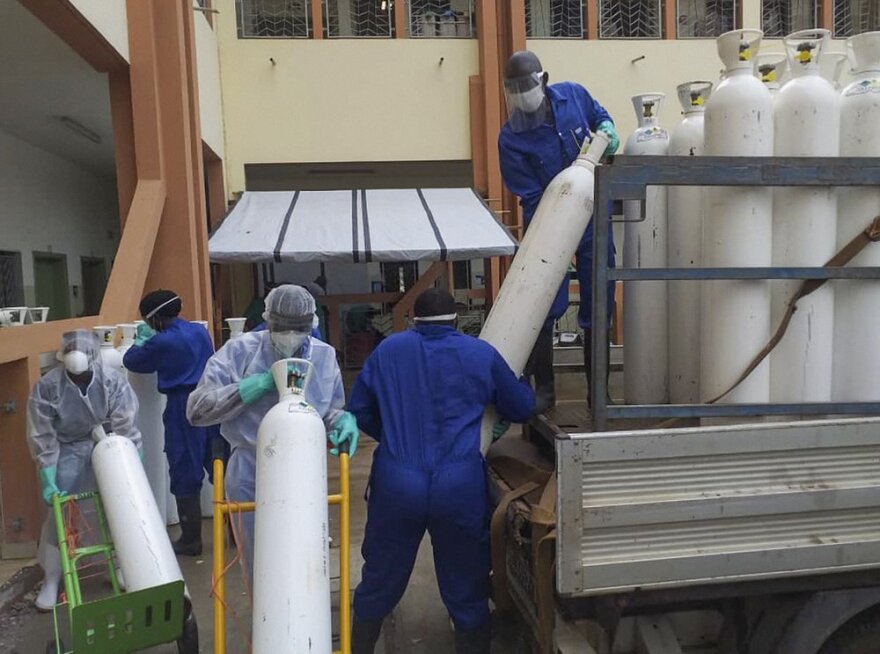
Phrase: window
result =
(555, 19)
(358, 18)
(780, 18)
(441, 18)
(273, 19)
(705, 18)
(629, 19)
(853, 17)
(399, 277)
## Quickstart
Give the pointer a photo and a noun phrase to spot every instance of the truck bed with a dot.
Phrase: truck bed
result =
(645, 509)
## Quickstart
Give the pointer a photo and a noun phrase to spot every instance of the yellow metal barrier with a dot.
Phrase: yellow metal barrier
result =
(222, 508)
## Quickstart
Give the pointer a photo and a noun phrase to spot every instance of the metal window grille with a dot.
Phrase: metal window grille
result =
(853, 17)
(273, 19)
(358, 18)
(441, 18)
(555, 19)
(780, 18)
(629, 19)
(705, 18)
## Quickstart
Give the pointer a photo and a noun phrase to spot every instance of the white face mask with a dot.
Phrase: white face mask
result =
(288, 343)
(76, 362)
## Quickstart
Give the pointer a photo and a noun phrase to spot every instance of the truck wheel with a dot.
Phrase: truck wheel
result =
(861, 635)
(189, 641)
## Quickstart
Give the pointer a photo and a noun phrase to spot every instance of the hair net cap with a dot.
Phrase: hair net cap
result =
(80, 340)
(289, 308)
(162, 303)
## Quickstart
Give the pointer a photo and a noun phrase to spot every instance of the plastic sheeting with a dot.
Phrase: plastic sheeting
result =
(359, 226)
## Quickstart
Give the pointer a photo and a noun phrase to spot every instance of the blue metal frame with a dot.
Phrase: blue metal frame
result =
(627, 178)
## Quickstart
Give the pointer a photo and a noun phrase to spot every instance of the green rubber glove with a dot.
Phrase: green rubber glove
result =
(499, 429)
(607, 128)
(143, 333)
(345, 430)
(48, 487)
(253, 387)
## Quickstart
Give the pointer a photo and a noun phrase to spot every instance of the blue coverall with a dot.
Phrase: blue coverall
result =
(531, 159)
(422, 394)
(178, 355)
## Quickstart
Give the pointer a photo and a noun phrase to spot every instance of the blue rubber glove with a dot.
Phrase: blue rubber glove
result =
(143, 333)
(345, 430)
(253, 387)
(499, 429)
(48, 487)
(607, 128)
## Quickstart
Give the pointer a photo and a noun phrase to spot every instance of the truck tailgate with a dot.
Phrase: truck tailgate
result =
(683, 507)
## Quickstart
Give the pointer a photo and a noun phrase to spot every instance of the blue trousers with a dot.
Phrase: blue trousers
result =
(188, 448)
(584, 268)
(452, 504)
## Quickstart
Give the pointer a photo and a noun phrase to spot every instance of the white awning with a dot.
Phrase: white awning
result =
(444, 224)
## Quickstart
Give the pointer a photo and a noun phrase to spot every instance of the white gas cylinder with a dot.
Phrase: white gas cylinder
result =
(645, 341)
(857, 303)
(291, 556)
(540, 265)
(807, 124)
(143, 548)
(109, 356)
(771, 68)
(737, 229)
(684, 250)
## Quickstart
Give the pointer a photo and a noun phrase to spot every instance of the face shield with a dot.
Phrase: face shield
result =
(526, 106)
(79, 351)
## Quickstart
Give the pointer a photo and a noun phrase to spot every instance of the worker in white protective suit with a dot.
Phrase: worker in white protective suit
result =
(237, 390)
(63, 408)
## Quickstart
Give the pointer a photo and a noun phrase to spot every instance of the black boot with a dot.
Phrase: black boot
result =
(364, 635)
(189, 510)
(541, 366)
(473, 642)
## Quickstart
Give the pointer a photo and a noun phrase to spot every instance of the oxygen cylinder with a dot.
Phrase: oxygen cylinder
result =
(151, 406)
(206, 497)
(831, 66)
(236, 326)
(143, 549)
(737, 229)
(645, 342)
(857, 303)
(807, 124)
(684, 246)
(109, 356)
(771, 68)
(540, 265)
(291, 554)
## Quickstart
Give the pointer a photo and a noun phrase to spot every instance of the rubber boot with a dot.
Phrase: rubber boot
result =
(541, 366)
(473, 642)
(364, 635)
(50, 561)
(189, 511)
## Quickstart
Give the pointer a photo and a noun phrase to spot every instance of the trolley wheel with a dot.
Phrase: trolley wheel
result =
(53, 646)
(861, 635)
(188, 643)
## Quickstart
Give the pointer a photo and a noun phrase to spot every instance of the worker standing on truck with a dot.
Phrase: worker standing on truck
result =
(422, 394)
(177, 351)
(237, 390)
(63, 408)
(543, 135)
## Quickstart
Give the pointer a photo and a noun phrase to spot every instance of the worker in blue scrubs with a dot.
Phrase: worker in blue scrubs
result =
(546, 128)
(177, 350)
(421, 395)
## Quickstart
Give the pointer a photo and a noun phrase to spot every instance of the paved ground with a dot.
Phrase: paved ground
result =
(420, 625)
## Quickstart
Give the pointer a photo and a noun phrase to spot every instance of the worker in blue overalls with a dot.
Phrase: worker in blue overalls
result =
(177, 351)
(543, 135)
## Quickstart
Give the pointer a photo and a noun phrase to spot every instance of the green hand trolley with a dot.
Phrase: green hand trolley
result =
(122, 622)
